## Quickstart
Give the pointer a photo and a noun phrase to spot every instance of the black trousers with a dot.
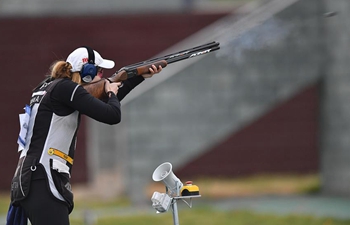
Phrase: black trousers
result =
(41, 207)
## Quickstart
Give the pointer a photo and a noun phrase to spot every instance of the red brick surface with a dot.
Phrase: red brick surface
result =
(282, 141)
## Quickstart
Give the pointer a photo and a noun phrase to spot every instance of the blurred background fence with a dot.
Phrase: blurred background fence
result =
(273, 99)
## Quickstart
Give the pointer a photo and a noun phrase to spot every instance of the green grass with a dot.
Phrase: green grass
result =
(116, 211)
(205, 216)
(260, 184)
(4, 202)
(98, 204)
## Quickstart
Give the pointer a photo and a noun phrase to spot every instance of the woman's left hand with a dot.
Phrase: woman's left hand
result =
(152, 71)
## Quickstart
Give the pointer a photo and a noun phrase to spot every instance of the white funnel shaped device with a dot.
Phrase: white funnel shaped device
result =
(165, 174)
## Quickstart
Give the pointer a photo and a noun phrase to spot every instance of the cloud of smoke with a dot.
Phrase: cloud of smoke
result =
(267, 35)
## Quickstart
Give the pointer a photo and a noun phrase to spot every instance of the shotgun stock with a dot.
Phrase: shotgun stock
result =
(97, 88)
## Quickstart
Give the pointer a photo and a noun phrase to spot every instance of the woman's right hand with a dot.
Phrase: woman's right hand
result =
(112, 86)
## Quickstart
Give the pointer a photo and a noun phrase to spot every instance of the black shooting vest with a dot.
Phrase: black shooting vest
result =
(50, 145)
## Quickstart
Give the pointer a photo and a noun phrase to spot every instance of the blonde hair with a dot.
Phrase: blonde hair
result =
(62, 69)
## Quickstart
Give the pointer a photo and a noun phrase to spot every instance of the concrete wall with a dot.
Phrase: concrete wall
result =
(83, 7)
(39, 8)
(335, 123)
(266, 59)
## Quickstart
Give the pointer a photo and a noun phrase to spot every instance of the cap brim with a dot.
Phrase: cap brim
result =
(107, 64)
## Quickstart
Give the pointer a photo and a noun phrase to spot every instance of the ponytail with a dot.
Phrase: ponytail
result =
(61, 69)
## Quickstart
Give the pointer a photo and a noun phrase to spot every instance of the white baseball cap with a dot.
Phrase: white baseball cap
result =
(80, 56)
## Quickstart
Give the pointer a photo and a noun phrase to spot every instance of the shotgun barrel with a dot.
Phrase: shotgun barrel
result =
(132, 70)
(97, 88)
(175, 55)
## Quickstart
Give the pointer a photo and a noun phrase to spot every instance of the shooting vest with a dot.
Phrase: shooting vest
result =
(50, 145)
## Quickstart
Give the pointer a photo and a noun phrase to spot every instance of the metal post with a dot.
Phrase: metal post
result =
(175, 212)
(174, 205)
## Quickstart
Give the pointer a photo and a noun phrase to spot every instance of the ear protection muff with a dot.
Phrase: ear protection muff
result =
(89, 70)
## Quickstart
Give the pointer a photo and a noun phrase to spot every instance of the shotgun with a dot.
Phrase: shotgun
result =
(97, 88)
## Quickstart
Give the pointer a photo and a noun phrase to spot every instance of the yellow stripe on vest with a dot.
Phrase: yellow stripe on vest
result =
(60, 154)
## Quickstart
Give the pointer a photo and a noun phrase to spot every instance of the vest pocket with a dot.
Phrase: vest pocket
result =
(20, 184)
(61, 179)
